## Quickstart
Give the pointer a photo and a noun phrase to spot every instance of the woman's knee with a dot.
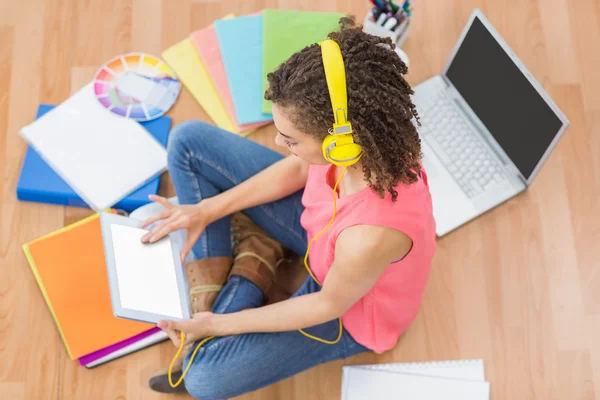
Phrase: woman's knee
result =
(208, 382)
(188, 136)
(216, 372)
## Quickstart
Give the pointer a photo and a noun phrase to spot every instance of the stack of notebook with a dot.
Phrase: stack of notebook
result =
(448, 380)
(69, 267)
(40, 183)
(225, 65)
(81, 154)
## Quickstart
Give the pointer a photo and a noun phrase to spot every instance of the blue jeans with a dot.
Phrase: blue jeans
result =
(203, 162)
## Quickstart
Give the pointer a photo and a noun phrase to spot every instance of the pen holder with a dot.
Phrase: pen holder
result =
(398, 35)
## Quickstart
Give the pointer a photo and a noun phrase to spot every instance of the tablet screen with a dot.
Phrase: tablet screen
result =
(145, 273)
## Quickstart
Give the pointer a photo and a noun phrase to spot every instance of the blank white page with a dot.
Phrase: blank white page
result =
(102, 156)
(369, 384)
(456, 369)
(145, 273)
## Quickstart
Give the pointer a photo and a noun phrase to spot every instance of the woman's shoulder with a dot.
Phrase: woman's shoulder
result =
(374, 241)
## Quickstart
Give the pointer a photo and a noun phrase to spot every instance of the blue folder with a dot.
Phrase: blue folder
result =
(39, 183)
(240, 41)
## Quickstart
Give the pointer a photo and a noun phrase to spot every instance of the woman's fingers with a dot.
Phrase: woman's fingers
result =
(161, 200)
(147, 238)
(154, 218)
(152, 236)
(163, 230)
(174, 336)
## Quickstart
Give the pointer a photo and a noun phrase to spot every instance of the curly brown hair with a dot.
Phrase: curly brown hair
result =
(379, 103)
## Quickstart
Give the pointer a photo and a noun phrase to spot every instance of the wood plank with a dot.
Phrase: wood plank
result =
(102, 31)
(576, 376)
(586, 36)
(593, 332)
(582, 176)
(513, 306)
(146, 26)
(13, 390)
(176, 21)
(6, 49)
(559, 255)
(57, 51)
(22, 222)
(560, 46)
(324, 5)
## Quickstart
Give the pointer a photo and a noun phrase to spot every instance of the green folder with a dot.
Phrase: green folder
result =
(285, 32)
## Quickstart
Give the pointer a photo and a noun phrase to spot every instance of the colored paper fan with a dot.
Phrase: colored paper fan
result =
(137, 86)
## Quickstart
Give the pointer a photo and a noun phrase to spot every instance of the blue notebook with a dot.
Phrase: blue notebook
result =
(39, 183)
(240, 41)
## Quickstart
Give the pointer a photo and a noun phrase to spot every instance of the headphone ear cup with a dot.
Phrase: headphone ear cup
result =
(349, 152)
(327, 143)
(341, 150)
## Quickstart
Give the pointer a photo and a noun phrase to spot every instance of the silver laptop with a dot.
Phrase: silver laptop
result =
(487, 127)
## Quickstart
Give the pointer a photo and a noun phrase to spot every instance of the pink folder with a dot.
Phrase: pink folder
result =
(207, 46)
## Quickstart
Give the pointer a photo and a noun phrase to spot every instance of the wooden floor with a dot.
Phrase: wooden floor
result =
(518, 287)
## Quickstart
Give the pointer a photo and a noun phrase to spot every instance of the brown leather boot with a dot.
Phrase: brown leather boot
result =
(256, 257)
(256, 254)
(206, 278)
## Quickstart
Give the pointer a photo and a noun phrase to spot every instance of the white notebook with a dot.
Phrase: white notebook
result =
(448, 380)
(102, 156)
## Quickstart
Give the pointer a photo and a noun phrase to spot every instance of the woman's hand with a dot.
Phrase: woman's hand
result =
(192, 217)
(198, 327)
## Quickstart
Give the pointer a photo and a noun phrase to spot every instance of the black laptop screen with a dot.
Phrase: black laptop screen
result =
(503, 99)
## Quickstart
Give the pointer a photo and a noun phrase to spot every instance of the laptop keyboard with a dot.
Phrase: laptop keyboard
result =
(458, 147)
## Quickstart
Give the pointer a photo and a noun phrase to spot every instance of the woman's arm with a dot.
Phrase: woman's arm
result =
(361, 255)
(275, 182)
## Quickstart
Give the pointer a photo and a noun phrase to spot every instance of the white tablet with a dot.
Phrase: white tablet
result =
(147, 281)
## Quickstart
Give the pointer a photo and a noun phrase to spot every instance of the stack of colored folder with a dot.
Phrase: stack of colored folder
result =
(225, 65)
(69, 267)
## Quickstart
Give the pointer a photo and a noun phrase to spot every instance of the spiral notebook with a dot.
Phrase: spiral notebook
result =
(449, 380)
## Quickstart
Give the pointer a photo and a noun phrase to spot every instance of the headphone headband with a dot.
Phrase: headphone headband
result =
(338, 147)
(335, 74)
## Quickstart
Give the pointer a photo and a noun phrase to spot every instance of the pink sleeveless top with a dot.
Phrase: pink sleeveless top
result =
(379, 318)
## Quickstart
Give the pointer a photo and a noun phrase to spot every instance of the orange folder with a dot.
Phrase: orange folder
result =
(70, 269)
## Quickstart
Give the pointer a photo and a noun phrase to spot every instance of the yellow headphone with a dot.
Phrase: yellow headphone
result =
(338, 147)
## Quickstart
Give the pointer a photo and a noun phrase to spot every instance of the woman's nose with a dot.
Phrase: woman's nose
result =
(279, 141)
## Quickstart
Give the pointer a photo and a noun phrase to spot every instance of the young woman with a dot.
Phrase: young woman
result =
(372, 262)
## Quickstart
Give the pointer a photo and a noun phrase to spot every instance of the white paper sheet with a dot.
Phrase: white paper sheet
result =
(457, 369)
(368, 384)
(102, 156)
(145, 273)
